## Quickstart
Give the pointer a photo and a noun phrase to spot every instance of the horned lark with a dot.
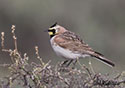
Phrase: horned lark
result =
(69, 46)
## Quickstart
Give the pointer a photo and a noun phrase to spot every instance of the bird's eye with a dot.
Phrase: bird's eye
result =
(52, 31)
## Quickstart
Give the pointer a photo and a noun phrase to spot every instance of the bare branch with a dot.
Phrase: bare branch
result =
(14, 36)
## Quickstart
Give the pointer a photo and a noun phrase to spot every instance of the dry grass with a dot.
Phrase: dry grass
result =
(44, 75)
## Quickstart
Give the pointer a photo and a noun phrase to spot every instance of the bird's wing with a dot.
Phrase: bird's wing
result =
(73, 42)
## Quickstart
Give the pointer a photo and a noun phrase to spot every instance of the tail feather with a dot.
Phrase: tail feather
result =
(106, 61)
(103, 59)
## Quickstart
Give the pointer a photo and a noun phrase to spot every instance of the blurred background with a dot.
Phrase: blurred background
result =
(101, 23)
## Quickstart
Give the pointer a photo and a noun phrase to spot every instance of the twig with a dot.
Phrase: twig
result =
(90, 64)
(14, 37)
(38, 56)
(2, 38)
(84, 67)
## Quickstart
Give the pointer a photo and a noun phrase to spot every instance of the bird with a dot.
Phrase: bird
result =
(71, 47)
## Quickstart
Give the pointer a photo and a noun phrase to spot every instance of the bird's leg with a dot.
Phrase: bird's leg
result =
(74, 63)
(69, 62)
(64, 62)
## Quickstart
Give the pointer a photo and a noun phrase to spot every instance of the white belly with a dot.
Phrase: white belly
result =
(65, 53)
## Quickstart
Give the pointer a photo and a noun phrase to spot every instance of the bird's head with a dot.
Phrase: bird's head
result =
(55, 29)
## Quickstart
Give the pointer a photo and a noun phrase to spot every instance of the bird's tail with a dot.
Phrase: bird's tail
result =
(103, 59)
